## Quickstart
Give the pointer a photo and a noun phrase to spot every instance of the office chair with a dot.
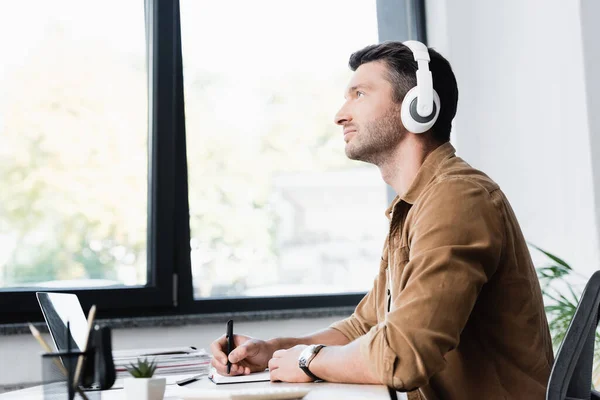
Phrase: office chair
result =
(571, 376)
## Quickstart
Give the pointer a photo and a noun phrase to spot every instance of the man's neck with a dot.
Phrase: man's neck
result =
(400, 169)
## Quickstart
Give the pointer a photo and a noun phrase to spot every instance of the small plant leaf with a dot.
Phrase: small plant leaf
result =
(552, 257)
(142, 369)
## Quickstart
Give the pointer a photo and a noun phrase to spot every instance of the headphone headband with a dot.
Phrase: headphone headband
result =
(424, 80)
(418, 49)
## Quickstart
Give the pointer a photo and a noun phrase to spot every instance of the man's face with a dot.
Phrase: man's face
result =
(370, 117)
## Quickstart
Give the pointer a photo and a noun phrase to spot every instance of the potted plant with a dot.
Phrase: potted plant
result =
(142, 386)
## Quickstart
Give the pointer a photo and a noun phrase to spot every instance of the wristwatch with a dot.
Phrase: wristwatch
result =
(307, 356)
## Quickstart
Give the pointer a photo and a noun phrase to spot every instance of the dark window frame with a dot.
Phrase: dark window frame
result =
(170, 283)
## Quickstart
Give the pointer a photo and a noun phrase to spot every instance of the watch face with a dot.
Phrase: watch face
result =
(305, 356)
(302, 362)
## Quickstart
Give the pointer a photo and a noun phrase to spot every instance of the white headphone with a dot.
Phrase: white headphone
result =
(421, 105)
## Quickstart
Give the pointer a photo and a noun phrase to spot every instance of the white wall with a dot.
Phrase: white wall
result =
(590, 9)
(20, 354)
(523, 115)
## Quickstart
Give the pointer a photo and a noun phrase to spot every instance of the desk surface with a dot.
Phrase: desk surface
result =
(319, 391)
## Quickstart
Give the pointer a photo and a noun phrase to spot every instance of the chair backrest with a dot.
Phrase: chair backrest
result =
(571, 376)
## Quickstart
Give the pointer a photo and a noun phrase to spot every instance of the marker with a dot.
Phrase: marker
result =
(229, 335)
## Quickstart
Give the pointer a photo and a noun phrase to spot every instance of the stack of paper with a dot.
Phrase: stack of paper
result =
(169, 363)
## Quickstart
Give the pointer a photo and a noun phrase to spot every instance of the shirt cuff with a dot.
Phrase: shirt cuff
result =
(380, 357)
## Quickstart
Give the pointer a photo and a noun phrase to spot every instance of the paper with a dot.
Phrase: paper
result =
(153, 352)
(217, 378)
(168, 362)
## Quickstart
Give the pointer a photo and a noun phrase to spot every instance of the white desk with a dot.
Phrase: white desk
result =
(319, 391)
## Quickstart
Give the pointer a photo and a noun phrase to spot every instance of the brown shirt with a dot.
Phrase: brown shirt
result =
(456, 309)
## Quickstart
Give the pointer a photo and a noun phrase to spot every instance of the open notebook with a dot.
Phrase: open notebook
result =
(217, 378)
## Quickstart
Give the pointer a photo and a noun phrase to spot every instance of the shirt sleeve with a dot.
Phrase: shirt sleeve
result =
(455, 240)
(361, 321)
(365, 314)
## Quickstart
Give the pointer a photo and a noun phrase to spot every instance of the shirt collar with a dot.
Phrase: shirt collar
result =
(426, 173)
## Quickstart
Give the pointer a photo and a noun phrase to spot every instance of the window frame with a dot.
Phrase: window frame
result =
(169, 276)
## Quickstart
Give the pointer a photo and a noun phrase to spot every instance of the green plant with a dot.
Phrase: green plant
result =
(143, 369)
(562, 288)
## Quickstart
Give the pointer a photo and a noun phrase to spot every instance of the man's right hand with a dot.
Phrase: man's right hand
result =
(249, 355)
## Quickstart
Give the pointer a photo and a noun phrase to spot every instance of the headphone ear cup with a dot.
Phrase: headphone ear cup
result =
(411, 120)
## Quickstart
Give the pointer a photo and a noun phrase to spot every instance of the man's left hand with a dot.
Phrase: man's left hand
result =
(284, 366)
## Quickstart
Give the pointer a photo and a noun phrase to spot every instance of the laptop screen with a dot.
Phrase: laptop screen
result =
(58, 308)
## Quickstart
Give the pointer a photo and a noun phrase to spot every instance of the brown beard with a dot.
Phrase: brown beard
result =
(373, 142)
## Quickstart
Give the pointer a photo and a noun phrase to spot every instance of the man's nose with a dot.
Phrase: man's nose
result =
(342, 116)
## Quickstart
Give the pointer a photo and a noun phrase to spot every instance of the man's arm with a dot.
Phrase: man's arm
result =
(253, 355)
(333, 364)
(329, 337)
(345, 331)
(364, 316)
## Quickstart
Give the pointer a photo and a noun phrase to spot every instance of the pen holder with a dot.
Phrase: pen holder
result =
(58, 375)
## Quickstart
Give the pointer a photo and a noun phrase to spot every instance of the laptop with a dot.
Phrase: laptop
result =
(60, 308)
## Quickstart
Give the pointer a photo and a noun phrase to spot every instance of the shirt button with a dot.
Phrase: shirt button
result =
(388, 365)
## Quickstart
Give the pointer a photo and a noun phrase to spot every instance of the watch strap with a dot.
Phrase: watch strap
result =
(310, 374)
(316, 349)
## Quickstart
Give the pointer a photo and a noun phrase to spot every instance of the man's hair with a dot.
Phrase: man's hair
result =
(402, 68)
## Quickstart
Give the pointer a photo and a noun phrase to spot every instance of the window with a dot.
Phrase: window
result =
(73, 145)
(74, 141)
(276, 208)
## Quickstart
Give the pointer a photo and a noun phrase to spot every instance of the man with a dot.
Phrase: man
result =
(456, 309)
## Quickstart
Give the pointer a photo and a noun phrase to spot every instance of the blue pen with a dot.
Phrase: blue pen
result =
(229, 343)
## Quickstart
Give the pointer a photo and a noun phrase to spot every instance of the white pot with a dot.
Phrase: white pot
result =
(145, 388)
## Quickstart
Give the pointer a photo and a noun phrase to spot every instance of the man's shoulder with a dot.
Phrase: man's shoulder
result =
(462, 197)
(458, 185)
(455, 172)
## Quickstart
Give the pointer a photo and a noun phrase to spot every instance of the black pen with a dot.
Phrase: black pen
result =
(191, 379)
(229, 343)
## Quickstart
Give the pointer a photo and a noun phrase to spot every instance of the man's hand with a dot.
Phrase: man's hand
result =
(249, 355)
(284, 365)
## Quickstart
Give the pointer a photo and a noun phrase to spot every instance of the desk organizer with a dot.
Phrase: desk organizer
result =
(70, 374)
